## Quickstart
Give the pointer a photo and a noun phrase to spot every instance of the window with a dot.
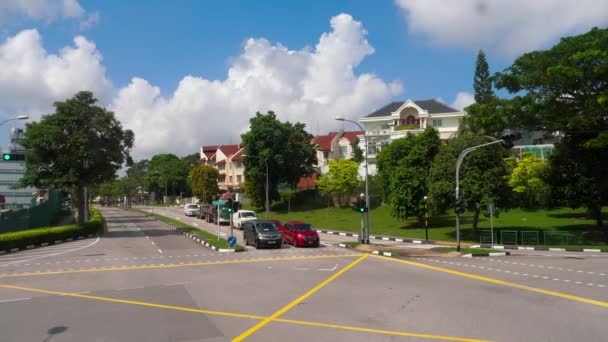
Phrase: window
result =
(325, 155)
(239, 164)
(343, 151)
(239, 179)
(437, 122)
(230, 179)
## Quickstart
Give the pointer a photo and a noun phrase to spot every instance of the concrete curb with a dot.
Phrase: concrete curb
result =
(545, 249)
(198, 239)
(44, 244)
(485, 255)
(378, 237)
(388, 254)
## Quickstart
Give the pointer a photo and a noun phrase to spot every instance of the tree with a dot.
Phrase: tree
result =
(357, 152)
(404, 166)
(137, 173)
(482, 176)
(204, 182)
(165, 171)
(482, 83)
(528, 178)
(284, 146)
(79, 145)
(340, 180)
(564, 90)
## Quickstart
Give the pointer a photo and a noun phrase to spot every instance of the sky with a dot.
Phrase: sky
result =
(187, 73)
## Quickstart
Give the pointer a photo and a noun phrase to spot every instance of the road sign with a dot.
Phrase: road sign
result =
(232, 241)
(218, 202)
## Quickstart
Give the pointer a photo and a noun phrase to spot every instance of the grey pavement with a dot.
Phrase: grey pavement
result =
(121, 288)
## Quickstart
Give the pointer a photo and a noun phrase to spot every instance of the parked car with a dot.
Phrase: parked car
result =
(278, 225)
(261, 233)
(300, 234)
(242, 216)
(192, 209)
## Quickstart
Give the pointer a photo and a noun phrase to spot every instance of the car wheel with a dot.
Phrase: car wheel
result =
(280, 245)
(295, 243)
(258, 245)
(245, 241)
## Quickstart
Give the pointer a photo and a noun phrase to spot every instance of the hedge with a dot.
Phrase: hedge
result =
(38, 236)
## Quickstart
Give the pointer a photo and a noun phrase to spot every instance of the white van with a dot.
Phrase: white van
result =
(241, 216)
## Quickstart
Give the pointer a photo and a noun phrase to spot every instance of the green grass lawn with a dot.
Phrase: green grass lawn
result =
(572, 224)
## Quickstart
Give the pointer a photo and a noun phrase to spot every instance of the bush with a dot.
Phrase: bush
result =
(37, 236)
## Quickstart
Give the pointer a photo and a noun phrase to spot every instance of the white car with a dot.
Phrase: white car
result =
(241, 216)
(192, 209)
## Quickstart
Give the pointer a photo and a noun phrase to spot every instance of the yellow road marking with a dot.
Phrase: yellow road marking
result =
(205, 263)
(132, 302)
(378, 331)
(237, 315)
(500, 282)
(297, 301)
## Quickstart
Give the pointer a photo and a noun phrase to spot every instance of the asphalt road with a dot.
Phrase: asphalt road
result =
(141, 281)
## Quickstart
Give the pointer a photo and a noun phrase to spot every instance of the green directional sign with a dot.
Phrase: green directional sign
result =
(219, 202)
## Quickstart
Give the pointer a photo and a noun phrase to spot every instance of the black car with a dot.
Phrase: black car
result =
(262, 233)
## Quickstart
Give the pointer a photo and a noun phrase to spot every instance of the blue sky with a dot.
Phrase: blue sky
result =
(137, 56)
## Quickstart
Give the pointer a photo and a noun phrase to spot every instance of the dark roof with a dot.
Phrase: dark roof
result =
(229, 150)
(324, 141)
(432, 106)
(238, 155)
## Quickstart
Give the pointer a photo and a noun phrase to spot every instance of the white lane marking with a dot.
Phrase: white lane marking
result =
(14, 300)
(50, 255)
(153, 243)
(159, 251)
(329, 269)
(40, 251)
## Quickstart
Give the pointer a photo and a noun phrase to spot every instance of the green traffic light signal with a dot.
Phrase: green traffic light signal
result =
(6, 156)
(362, 209)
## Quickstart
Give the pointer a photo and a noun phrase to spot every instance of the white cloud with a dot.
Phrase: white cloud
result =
(90, 21)
(31, 79)
(508, 27)
(48, 10)
(308, 85)
(463, 99)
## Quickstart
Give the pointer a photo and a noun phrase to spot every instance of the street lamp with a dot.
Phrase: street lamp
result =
(266, 163)
(20, 117)
(366, 175)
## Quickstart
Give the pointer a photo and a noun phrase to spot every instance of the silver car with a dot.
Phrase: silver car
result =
(192, 209)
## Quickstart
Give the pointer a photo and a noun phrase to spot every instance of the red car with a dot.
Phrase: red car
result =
(278, 225)
(300, 234)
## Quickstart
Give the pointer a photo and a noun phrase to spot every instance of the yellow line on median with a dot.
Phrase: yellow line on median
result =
(378, 331)
(500, 282)
(205, 263)
(298, 300)
(237, 315)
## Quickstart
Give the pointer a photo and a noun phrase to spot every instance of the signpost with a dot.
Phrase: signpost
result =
(218, 203)
(232, 241)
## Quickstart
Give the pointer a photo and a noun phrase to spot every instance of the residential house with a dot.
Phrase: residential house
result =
(228, 159)
(397, 119)
(335, 145)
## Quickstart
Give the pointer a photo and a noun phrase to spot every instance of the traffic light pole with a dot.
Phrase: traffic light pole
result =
(458, 163)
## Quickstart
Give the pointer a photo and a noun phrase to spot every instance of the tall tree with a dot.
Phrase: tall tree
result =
(404, 167)
(357, 152)
(528, 179)
(204, 182)
(81, 144)
(137, 172)
(341, 180)
(564, 89)
(482, 176)
(284, 146)
(165, 171)
(482, 82)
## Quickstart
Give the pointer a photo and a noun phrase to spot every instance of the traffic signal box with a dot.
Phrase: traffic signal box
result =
(359, 205)
(8, 157)
(459, 206)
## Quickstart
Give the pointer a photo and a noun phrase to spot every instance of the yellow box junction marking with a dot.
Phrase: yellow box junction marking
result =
(500, 282)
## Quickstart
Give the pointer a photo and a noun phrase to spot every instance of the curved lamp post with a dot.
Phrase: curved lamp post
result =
(20, 117)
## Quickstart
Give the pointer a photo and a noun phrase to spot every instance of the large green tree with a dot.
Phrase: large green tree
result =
(404, 167)
(203, 180)
(565, 89)
(528, 179)
(80, 145)
(285, 146)
(137, 173)
(167, 173)
(341, 180)
(482, 176)
(482, 82)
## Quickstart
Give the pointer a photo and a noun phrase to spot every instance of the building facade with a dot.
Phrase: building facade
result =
(397, 119)
(335, 145)
(228, 160)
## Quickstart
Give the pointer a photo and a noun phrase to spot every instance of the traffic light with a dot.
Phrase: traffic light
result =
(8, 156)
(229, 204)
(508, 139)
(359, 205)
(459, 207)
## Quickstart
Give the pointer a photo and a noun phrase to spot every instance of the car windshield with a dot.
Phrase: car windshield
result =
(192, 206)
(247, 214)
(266, 227)
(276, 224)
(305, 227)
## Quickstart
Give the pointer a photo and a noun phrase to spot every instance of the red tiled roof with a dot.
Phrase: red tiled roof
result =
(221, 162)
(352, 136)
(238, 155)
(229, 150)
(309, 182)
(209, 154)
(324, 141)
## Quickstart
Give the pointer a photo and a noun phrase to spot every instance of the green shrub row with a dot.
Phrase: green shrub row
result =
(37, 236)
(206, 236)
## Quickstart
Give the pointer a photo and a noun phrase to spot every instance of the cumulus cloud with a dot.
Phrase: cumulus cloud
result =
(507, 27)
(48, 10)
(463, 99)
(307, 85)
(90, 21)
(31, 78)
